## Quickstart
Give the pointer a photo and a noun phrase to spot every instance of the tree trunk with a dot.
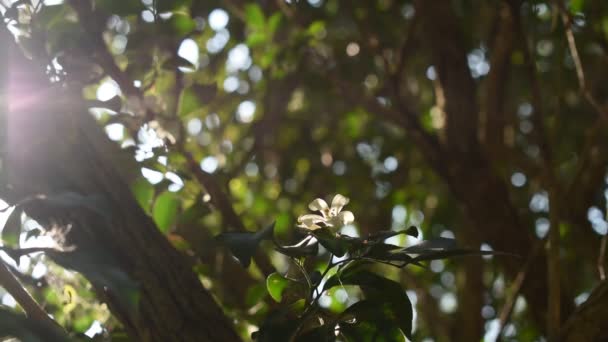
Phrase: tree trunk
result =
(55, 147)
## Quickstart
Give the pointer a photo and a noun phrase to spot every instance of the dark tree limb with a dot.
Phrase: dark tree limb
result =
(588, 322)
(33, 311)
(493, 112)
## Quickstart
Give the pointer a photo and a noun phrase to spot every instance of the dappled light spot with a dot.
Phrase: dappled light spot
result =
(177, 182)
(216, 43)
(448, 280)
(437, 266)
(147, 16)
(581, 298)
(251, 169)
(39, 270)
(194, 126)
(119, 44)
(518, 179)
(478, 64)
(391, 163)
(597, 219)
(339, 168)
(488, 312)
(94, 329)
(448, 303)
(486, 247)
(447, 234)
(325, 300)
(315, 3)
(188, 50)
(431, 74)
(154, 177)
(526, 126)
(541, 227)
(107, 90)
(8, 300)
(408, 11)
(218, 19)
(245, 111)
(231, 84)
(209, 164)
(352, 49)
(115, 131)
(399, 214)
(212, 121)
(238, 58)
(255, 73)
(540, 202)
(524, 110)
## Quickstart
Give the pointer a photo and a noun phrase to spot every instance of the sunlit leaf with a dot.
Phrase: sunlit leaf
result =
(301, 249)
(390, 302)
(143, 192)
(166, 208)
(170, 5)
(254, 16)
(12, 228)
(276, 283)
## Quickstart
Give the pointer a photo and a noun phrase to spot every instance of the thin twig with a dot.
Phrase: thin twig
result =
(601, 257)
(578, 64)
(515, 289)
(10, 283)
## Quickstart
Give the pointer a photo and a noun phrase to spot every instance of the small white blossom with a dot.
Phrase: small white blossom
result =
(330, 216)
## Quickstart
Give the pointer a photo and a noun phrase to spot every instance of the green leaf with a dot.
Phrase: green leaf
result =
(48, 16)
(170, 5)
(103, 271)
(273, 23)
(181, 24)
(276, 284)
(195, 97)
(391, 301)
(122, 8)
(195, 212)
(12, 228)
(143, 192)
(316, 28)
(177, 62)
(243, 245)
(372, 323)
(279, 325)
(576, 5)
(165, 210)
(336, 245)
(436, 244)
(301, 249)
(254, 16)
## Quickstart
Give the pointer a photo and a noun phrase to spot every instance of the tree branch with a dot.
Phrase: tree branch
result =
(588, 322)
(493, 113)
(10, 283)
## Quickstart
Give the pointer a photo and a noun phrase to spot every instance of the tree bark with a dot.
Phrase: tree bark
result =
(55, 147)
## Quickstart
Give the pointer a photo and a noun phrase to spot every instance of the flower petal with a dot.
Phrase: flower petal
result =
(338, 203)
(318, 204)
(346, 217)
(311, 218)
(309, 227)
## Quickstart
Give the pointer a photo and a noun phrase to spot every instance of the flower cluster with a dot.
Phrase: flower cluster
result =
(330, 216)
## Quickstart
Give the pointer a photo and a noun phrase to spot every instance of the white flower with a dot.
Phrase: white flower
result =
(330, 216)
